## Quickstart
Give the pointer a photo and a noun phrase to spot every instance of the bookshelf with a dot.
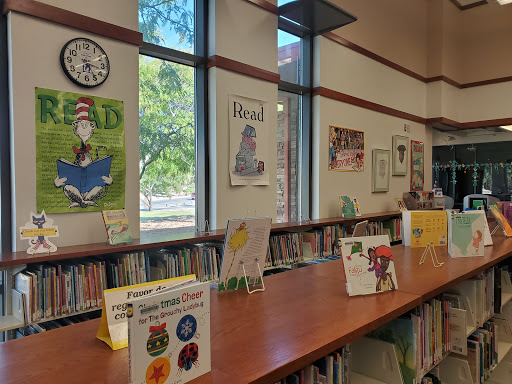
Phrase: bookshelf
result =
(303, 315)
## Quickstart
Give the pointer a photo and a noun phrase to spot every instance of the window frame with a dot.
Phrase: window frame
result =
(199, 62)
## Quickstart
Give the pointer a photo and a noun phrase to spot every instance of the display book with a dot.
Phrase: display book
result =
(368, 265)
(117, 227)
(169, 335)
(64, 288)
(501, 220)
(349, 207)
(424, 227)
(468, 232)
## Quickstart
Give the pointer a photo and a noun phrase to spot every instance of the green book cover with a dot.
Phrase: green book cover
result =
(347, 207)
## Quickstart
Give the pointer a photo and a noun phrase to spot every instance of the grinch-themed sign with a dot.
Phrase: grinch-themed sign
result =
(114, 327)
(248, 132)
(80, 152)
(37, 231)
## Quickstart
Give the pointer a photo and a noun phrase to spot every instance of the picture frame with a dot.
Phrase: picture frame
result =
(400, 155)
(417, 165)
(380, 170)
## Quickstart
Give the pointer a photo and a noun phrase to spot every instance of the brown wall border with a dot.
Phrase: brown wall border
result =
(343, 97)
(73, 20)
(245, 69)
(265, 5)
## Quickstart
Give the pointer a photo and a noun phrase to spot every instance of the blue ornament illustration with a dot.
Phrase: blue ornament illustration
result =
(186, 328)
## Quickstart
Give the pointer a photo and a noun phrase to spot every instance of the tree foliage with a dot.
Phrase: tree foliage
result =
(166, 121)
(156, 16)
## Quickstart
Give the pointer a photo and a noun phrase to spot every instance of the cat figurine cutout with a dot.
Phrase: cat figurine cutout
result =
(37, 231)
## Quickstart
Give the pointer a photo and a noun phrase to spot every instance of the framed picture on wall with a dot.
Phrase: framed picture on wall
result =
(380, 170)
(400, 155)
(346, 149)
(417, 165)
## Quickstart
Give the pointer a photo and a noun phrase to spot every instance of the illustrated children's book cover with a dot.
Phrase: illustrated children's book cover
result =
(349, 207)
(427, 227)
(401, 204)
(501, 220)
(116, 224)
(466, 234)
(245, 247)
(368, 264)
(169, 335)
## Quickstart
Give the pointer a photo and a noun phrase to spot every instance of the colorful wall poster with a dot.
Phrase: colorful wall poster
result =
(248, 141)
(466, 234)
(346, 149)
(368, 265)
(80, 152)
(428, 227)
(169, 335)
(349, 207)
(380, 170)
(245, 246)
(417, 165)
(400, 155)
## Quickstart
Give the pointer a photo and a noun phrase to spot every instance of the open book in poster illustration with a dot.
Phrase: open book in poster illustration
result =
(169, 335)
(466, 234)
(245, 249)
(368, 264)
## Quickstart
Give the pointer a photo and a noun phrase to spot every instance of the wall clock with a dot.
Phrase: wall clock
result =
(84, 62)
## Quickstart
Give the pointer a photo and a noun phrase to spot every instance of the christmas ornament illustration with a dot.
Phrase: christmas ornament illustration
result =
(188, 357)
(186, 328)
(158, 340)
(158, 371)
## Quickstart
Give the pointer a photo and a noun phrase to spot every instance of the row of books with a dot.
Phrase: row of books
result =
(393, 228)
(284, 249)
(334, 368)
(33, 329)
(482, 351)
(57, 289)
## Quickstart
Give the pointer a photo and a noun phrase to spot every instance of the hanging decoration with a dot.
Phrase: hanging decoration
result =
(453, 167)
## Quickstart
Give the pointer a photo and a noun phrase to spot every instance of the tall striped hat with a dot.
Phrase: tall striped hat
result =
(82, 108)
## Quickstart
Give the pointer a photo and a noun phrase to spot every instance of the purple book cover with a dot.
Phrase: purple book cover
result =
(507, 211)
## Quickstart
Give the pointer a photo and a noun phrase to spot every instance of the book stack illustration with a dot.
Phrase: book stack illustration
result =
(368, 264)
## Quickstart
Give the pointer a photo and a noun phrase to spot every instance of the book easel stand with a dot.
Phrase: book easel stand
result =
(432, 250)
(495, 229)
(206, 229)
(255, 279)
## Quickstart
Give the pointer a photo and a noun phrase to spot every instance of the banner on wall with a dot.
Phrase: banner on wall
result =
(346, 149)
(80, 152)
(248, 132)
(417, 165)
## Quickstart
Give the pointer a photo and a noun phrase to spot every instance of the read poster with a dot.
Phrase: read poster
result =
(80, 152)
(346, 149)
(248, 141)
(417, 165)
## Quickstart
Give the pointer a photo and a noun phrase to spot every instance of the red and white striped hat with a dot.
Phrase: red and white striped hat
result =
(82, 108)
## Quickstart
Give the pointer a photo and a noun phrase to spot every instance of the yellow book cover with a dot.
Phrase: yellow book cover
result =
(428, 227)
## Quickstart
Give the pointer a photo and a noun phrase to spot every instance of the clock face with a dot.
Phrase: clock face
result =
(84, 62)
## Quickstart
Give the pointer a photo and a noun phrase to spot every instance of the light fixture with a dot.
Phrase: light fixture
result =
(503, 2)
(507, 127)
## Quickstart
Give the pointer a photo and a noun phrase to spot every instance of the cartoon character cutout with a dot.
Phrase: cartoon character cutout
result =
(37, 231)
(385, 280)
(477, 239)
(84, 191)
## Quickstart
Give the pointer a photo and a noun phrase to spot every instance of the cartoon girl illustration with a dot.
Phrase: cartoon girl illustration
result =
(477, 239)
(373, 259)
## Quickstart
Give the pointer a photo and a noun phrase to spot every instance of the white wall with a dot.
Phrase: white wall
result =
(243, 32)
(346, 71)
(34, 62)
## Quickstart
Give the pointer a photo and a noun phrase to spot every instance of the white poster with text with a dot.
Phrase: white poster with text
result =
(248, 133)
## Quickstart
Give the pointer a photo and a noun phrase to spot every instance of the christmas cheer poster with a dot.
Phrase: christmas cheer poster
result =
(248, 141)
(80, 152)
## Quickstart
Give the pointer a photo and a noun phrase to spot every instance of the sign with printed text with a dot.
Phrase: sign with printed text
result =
(428, 227)
(114, 326)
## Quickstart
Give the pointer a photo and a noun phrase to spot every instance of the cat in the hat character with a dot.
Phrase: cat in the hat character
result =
(83, 128)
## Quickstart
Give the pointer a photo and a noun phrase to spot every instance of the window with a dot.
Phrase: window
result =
(293, 124)
(172, 81)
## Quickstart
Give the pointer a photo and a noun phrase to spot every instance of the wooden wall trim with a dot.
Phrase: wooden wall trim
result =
(445, 79)
(265, 5)
(363, 51)
(73, 20)
(469, 6)
(343, 97)
(487, 82)
(245, 69)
